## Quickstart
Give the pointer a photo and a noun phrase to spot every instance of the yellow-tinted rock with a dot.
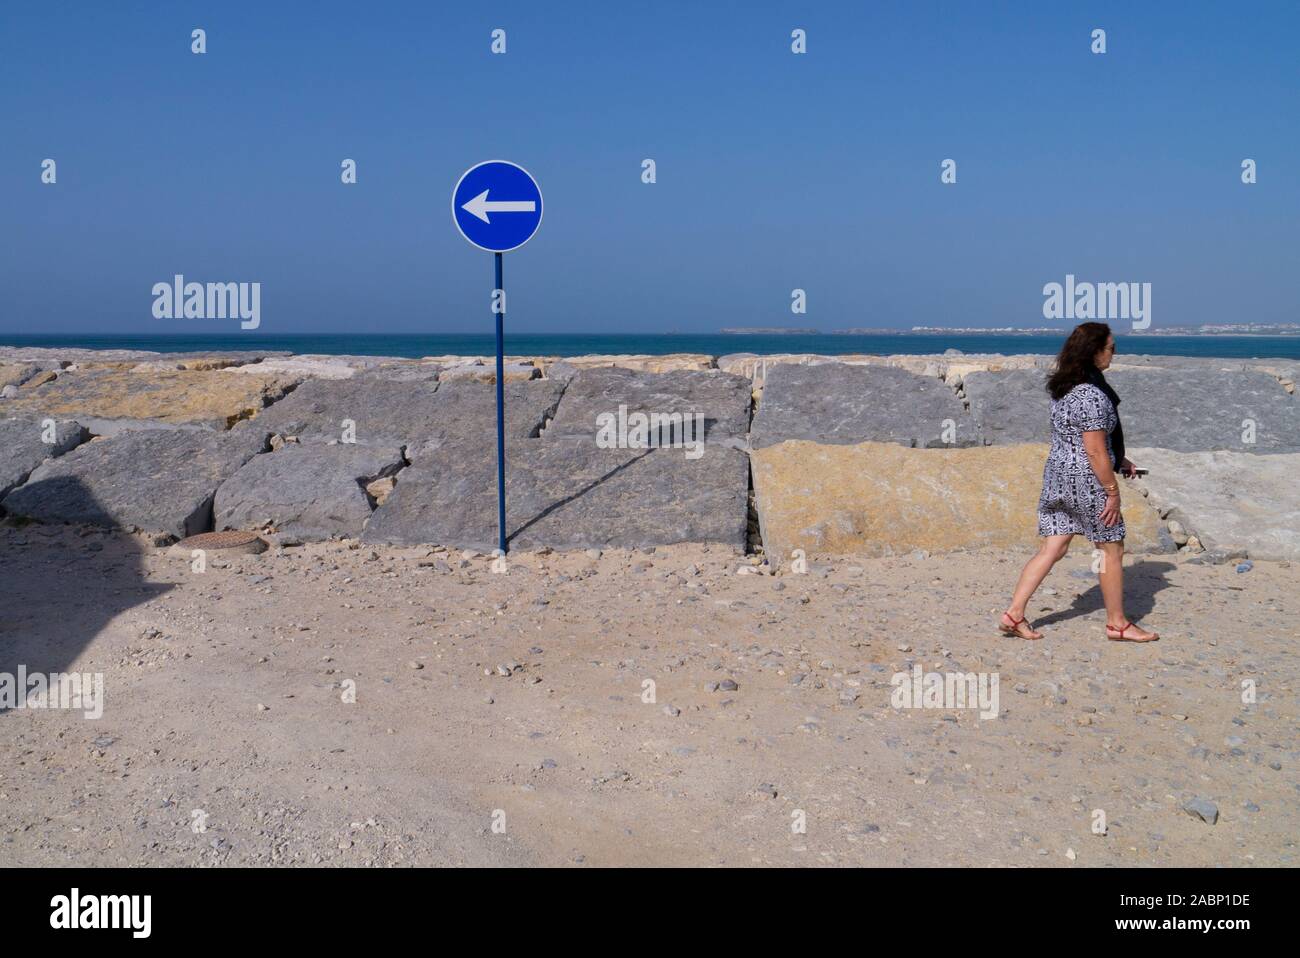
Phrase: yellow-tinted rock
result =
(200, 397)
(40, 379)
(883, 499)
(649, 364)
(755, 367)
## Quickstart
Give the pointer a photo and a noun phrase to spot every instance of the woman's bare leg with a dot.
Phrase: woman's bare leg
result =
(1052, 550)
(1111, 575)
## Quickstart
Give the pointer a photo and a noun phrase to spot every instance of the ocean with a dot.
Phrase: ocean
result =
(718, 344)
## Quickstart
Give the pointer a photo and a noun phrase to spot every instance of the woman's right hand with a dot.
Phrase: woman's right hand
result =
(1110, 514)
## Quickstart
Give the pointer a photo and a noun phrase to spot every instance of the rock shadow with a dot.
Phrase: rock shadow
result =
(60, 586)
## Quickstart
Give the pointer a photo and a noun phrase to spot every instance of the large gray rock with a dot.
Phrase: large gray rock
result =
(1009, 406)
(468, 410)
(1229, 500)
(383, 412)
(153, 480)
(311, 492)
(1186, 409)
(23, 447)
(391, 410)
(1205, 410)
(841, 404)
(15, 374)
(723, 400)
(567, 494)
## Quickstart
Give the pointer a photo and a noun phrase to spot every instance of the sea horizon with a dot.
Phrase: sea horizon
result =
(415, 345)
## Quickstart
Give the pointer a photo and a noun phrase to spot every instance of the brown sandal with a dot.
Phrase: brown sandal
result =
(1014, 628)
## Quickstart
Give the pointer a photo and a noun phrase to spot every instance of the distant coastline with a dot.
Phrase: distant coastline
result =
(767, 331)
(1205, 329)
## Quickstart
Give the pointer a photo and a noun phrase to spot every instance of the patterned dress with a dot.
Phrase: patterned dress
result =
(1072, 498)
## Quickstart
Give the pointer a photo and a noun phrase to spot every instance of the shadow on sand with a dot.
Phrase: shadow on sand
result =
(1141, 583)
(59, 587)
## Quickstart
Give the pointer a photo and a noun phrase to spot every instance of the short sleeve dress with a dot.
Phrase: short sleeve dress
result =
(1072, 498)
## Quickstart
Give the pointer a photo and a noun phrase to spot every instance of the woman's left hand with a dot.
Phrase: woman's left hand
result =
(1128, 468)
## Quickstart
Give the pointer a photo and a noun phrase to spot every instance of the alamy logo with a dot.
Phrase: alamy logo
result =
(1098, 301)
(103, 911)
(181, 300)
(946, 690)
(641, 431)
(57, 690)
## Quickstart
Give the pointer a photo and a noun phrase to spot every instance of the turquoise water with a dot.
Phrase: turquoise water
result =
(576, 344)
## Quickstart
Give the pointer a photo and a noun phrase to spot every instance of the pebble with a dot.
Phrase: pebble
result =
(672, 711)
(1204, 809)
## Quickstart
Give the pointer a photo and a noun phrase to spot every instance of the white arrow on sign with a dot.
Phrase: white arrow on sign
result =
(481, 206)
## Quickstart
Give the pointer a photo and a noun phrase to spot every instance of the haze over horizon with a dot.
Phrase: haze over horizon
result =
(775, 171)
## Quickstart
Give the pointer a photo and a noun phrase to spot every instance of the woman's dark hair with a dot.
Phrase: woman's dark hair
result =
(1076, 362)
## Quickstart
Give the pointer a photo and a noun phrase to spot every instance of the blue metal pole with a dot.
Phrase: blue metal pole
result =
(501, 416)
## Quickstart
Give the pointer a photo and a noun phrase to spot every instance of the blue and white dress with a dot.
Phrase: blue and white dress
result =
(1072, 498)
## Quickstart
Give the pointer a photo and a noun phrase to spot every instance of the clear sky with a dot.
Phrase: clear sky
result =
(819, 171)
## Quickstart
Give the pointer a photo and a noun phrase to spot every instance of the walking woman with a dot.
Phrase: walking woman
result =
(1080, 488)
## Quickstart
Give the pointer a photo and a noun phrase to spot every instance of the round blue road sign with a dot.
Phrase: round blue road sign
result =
(497, 206)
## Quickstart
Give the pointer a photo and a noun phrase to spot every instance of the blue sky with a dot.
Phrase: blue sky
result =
(775, 171)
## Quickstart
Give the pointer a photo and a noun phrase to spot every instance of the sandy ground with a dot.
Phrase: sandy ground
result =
(224, 705)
